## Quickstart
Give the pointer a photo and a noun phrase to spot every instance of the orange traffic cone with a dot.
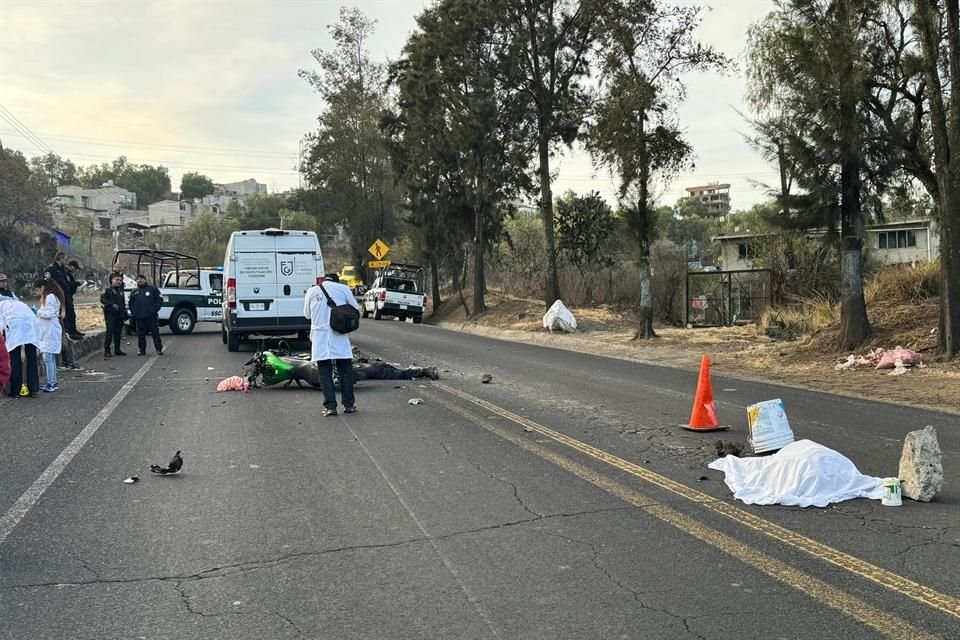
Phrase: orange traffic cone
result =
(704, 415)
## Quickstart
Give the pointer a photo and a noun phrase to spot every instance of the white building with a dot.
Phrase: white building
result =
(243, 188)
(902, 242)
(103, 205)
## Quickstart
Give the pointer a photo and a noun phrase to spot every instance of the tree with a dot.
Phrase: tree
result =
(346, 160)
(810, 61)
(53, 171)
(150, 184)
(24, 243)
(552, 41)
(945, 124)
(461, 56)
(258, 211)
(585, 226)
(195, 185)
(646, 50)
(206, 237)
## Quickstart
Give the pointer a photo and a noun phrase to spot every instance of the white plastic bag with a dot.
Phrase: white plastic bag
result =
(559, 318)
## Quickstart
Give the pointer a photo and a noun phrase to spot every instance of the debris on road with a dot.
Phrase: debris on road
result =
(728, 448)
(174, 466)
(415, 401)
(210, 369)
(559, 318)
(131, 480)
(921, 465)
(486, 378)
(233, 383)
(803, 474)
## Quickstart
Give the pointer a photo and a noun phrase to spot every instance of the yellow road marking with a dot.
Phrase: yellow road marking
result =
(887, 579)
(885, 623)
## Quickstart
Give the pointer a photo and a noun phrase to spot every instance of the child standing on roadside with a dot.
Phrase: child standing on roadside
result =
(49, 320)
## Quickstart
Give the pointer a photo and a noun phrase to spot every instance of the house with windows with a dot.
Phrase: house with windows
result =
(903, 242)
(103, 205)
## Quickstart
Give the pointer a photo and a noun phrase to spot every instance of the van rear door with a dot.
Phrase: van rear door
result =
(299, 264)
(256, 275)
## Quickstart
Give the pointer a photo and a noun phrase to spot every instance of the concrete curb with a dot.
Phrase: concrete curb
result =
(90, 343)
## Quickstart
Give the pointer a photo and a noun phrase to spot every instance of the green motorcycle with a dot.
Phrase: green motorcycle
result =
(270, 367)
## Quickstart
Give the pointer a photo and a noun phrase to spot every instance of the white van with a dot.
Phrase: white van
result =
(267, 274)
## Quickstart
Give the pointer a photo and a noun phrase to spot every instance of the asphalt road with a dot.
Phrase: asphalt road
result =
(560, 501)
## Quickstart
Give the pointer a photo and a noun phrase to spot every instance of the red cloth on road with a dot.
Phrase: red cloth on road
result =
(4, 362)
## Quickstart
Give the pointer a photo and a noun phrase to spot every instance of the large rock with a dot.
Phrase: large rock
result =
(921, 465)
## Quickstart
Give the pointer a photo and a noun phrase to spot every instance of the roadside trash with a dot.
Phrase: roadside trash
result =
(803, 474)
(703, 417)
(24, 392)
(415, 401)
(131, 480)
(559, 318)
(174, 466)
(891, 492)
(897, 358)
(527, 429)
(899, 368)
(921, 465)
(727, 448)
(210, 369)
(768, 426)
(908, 358)
(486, 378)
(233, 383)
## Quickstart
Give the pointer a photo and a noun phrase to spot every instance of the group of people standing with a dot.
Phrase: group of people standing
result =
(29, 334)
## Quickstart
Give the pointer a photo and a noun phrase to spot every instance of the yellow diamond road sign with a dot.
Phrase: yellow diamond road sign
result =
(378, 264)
(378, 249)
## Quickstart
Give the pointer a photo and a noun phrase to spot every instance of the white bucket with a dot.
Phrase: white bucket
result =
(768, 426)
(891, 492)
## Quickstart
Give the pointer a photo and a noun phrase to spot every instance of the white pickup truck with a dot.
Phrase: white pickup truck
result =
(394, 296)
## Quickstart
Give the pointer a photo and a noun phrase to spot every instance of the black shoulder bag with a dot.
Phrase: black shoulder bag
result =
(344, 318)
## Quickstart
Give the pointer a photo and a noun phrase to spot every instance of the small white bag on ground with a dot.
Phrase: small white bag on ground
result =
(803, 474)
(559, 318)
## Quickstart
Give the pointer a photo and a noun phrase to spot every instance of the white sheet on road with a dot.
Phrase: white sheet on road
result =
(802, 474)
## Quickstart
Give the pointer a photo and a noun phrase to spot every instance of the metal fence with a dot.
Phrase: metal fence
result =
(724, 298)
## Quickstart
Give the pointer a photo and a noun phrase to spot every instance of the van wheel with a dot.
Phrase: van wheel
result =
(182, 321)
(363, 311)
(223, 334)
(417, 319)
(377, 313)
(233, 341)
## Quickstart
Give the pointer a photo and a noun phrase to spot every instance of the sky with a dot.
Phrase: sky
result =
(212, 86)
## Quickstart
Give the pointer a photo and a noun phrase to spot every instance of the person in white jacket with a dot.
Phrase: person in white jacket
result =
(50, 317)
(328, 346)
(19, 325)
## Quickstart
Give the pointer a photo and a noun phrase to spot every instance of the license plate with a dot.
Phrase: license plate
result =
(257, 306)
(403, 307)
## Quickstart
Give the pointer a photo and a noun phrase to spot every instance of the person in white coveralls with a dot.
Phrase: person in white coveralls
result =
(328, 346)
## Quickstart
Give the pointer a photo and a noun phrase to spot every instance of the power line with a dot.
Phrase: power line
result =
(23, 129)
(189, 165)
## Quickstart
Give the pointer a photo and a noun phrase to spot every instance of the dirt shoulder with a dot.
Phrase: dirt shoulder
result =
(741, 352)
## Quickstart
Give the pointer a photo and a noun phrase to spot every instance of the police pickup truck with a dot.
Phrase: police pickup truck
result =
(190, 294)
(397, 292)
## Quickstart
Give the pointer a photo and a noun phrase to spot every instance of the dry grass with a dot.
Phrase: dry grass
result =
(904, 284)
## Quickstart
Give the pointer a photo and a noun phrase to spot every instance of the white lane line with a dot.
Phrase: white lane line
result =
(24, 503)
